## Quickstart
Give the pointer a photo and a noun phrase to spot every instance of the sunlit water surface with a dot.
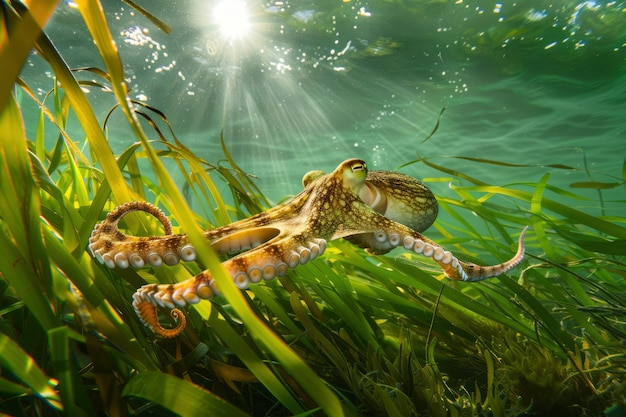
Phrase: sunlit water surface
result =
(301, 85)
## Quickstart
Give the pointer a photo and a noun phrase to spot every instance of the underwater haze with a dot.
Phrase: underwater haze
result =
(302, 85)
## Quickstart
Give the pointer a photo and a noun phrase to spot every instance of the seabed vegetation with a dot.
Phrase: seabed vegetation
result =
(349, 334)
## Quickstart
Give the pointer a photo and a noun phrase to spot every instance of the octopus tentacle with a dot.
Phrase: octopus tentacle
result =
(453, 267)
(115, 249)
(116, 215)
(191, 291)
(171, 296)
(280, 255)
(380, 235)
(245, 269)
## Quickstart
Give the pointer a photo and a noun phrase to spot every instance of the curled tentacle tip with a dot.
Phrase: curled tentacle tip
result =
(471, 272)
(147, 312)
(521, 236)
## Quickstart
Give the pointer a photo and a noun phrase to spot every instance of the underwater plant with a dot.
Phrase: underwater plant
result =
(350, 334)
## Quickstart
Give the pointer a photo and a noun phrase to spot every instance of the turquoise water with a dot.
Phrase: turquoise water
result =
(301, 85)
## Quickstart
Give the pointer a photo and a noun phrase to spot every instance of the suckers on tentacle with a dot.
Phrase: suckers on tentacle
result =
(379, 211)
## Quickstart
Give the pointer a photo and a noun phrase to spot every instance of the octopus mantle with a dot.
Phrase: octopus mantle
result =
(379, 211)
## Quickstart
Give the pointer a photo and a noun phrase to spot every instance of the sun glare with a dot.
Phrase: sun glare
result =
(232, 18)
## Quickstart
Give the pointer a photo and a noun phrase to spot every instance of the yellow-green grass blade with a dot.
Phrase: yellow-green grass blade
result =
(136, 179)
(25, 30)
(13, 389)
(23, 260)
(178, 396)
(20, 198)
(598, 244)
(249, 187)
(40, 149)
(95, 19)
(87, 118)
(74, 400)
(16, 361)
(155, 20)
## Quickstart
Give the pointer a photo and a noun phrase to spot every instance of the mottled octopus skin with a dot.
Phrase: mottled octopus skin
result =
(378, 211)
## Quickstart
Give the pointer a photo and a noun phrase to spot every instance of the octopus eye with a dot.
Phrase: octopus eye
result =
(354, 172)
(358, 166)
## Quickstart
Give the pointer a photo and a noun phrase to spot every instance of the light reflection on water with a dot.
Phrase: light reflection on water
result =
(301, 86)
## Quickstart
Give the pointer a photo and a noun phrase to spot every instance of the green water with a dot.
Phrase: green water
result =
(311, 83)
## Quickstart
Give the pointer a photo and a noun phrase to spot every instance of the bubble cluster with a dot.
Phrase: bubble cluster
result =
(570, 26)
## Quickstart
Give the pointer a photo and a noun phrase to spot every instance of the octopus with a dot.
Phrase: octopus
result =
(376, 210)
